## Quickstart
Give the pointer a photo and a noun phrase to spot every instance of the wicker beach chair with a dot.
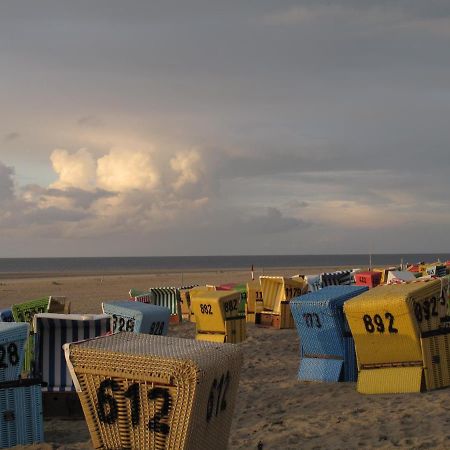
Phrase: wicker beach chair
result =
(402, 343)
(337, 278)
(138, 317)
(13, 337)
(327, 348)
(142, 391)
(21, 421)
(217, 316)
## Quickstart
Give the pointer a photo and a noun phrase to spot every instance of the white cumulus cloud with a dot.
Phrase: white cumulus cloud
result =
(76, 170)
(123, 170)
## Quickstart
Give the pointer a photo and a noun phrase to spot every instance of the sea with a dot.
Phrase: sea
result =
(185, 263)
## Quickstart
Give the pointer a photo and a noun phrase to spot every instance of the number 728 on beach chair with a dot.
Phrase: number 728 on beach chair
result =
(217, 316)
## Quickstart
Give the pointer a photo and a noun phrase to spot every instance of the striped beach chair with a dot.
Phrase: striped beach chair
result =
(338, 278)
(52, 332)
(170, 298)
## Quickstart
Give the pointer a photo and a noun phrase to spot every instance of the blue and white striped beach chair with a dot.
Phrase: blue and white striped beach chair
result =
(55, 330)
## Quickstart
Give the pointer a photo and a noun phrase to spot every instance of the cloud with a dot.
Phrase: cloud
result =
(6, 183)
(188, 166)
(124, 170)
(9, 137)
(90, 121)
(273, 222)
(76, 170)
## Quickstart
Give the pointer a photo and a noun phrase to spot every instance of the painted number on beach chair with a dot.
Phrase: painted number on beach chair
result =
(157, 328)
(377, 323)
(427, 309)
(217, 396)
(120, 324)
(206, 309)
(231, 306)
(108, 409)
(8, 354)
(312, 320)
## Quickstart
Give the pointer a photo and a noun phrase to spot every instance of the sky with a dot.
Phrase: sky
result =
(202, 127)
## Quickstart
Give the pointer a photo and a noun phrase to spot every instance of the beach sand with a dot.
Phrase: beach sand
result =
(273, 408)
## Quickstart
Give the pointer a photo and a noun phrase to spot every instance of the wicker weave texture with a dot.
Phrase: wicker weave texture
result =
(52, 332)
(12, 349)
(436, 355)
(21, 416)
(278, 289)
(152, 392)
(138, 317)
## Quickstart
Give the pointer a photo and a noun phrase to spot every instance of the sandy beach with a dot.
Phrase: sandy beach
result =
(273, 408)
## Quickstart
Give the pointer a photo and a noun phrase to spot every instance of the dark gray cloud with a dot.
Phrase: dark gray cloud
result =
(6, 183)
(12, 136)
(90, 121)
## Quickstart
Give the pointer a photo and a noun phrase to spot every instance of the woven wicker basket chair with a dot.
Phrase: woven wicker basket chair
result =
(402, 343)
(141, 391)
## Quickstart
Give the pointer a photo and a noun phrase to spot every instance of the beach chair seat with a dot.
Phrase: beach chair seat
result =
(52, 331)
(277, 293)
(13, 337)
(327, 348)
(401, 337)
(138, 317)
(21, 421)
(217, 316)
(142, 391)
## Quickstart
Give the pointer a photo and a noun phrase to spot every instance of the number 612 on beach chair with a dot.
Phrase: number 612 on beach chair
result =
(141, 391)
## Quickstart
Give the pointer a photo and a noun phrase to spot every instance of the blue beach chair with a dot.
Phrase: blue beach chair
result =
(327, 347)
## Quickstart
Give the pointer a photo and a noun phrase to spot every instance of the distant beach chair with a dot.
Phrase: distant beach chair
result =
(337, 278)
(255, 303)
(327, 347)
(277, 292)
(138, 317)
(155, 392)
(217, 316)
(24, 312)
(58, 305)
(401, 337)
